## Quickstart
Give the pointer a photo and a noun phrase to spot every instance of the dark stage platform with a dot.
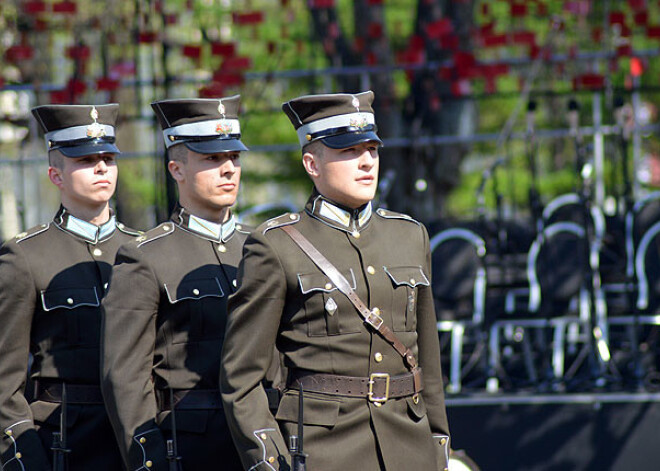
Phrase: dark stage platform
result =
(558, 432)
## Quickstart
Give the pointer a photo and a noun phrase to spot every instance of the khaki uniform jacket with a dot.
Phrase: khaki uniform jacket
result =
(284, 298)
(163, 327)
(52, 279)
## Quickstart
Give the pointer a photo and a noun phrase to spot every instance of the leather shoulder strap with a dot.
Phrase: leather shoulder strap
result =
(369, 317)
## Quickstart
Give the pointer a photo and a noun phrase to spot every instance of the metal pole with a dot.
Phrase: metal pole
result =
(599, 181)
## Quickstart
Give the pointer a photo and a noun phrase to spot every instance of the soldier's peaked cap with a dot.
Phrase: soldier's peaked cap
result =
(77, 130)
(339, 120)
(204, 125)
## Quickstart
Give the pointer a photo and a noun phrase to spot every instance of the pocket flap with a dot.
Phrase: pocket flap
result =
(411, 276)
(416, 408)
(69, 298)
(310, 282)
(193, 289)
(318, 410)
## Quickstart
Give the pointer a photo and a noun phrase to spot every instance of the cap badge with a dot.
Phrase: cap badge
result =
(358, 123)
(356, 103)
(223, 128)
(95, 130)
(221, 108)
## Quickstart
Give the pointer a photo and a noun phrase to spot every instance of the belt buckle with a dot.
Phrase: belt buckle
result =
(372, 381)
(374, 319)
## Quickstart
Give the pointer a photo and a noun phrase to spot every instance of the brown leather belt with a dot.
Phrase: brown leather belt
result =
(203, 399)
(378, 387)
(189, 399)
(75, 393)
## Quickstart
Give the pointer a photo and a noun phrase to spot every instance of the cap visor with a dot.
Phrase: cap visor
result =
(342, 141)
(215, 145)
(89, 149)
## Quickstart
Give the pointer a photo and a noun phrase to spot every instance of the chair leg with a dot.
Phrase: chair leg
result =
(558, 350)
(492, 384)
(457, 334)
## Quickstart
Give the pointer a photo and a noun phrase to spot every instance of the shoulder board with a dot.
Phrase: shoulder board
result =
(387, 214)
(156, 233)
(33, 231)
(128, 230)
(279, 221)
(245, 229)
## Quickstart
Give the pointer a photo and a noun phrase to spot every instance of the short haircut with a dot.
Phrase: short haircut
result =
(316, 148)
(178, 152)
(56, 159)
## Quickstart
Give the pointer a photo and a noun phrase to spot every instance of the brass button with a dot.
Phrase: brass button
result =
(239, 227)
(293, 216)
(271, 459)
(19, 455)
(149, 464)
(446, 469)
(355, 234)
(120, 225)
(143, 440)
(263, 436)
(412, 281)
(21, 235)
(222, 248)
(9, 433)
(196, 292)
(416, 399)
(371, 270)
(375, 311)
(443, 440)
(166, 227)
(235, 283)
(328, 286)
(378, 404)
(69, 300)
(98, 252)
(378, 357)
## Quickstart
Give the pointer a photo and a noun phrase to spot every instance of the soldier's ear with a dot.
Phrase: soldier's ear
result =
(55, 176)
(176, 170)
(311, 165)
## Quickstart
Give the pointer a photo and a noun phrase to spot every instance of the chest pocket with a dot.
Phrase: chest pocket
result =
(80, 307)
(405, 281)
(198, 310)
(327, 310)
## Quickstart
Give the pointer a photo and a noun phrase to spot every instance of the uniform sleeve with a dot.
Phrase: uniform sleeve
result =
(255, 311)
(20, 446)
(429, 361)
(128, 336)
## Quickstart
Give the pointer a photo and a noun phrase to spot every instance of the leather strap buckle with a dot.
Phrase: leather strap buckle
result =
(372, 380)
(373, 319)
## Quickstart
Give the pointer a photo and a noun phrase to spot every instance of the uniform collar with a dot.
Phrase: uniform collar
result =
(83, 229)
(337, 216)
(203, 228)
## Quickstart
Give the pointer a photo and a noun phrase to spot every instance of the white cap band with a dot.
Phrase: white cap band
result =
(214, 127)
(357, 120)
(79, 132)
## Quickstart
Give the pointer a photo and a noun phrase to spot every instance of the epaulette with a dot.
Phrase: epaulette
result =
(156, 233)
(279, 221)
(128, 230)
(245, 229)
(33, 231)
(387, 214)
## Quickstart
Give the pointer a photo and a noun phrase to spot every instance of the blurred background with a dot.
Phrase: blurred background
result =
(523, 133)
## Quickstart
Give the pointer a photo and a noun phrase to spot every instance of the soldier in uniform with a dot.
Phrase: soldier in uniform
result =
(365, 406)
(52, 279)
(166, 310)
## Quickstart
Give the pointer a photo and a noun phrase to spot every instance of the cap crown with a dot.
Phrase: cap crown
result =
(309, 108)
(172, 113)
(56, 117)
